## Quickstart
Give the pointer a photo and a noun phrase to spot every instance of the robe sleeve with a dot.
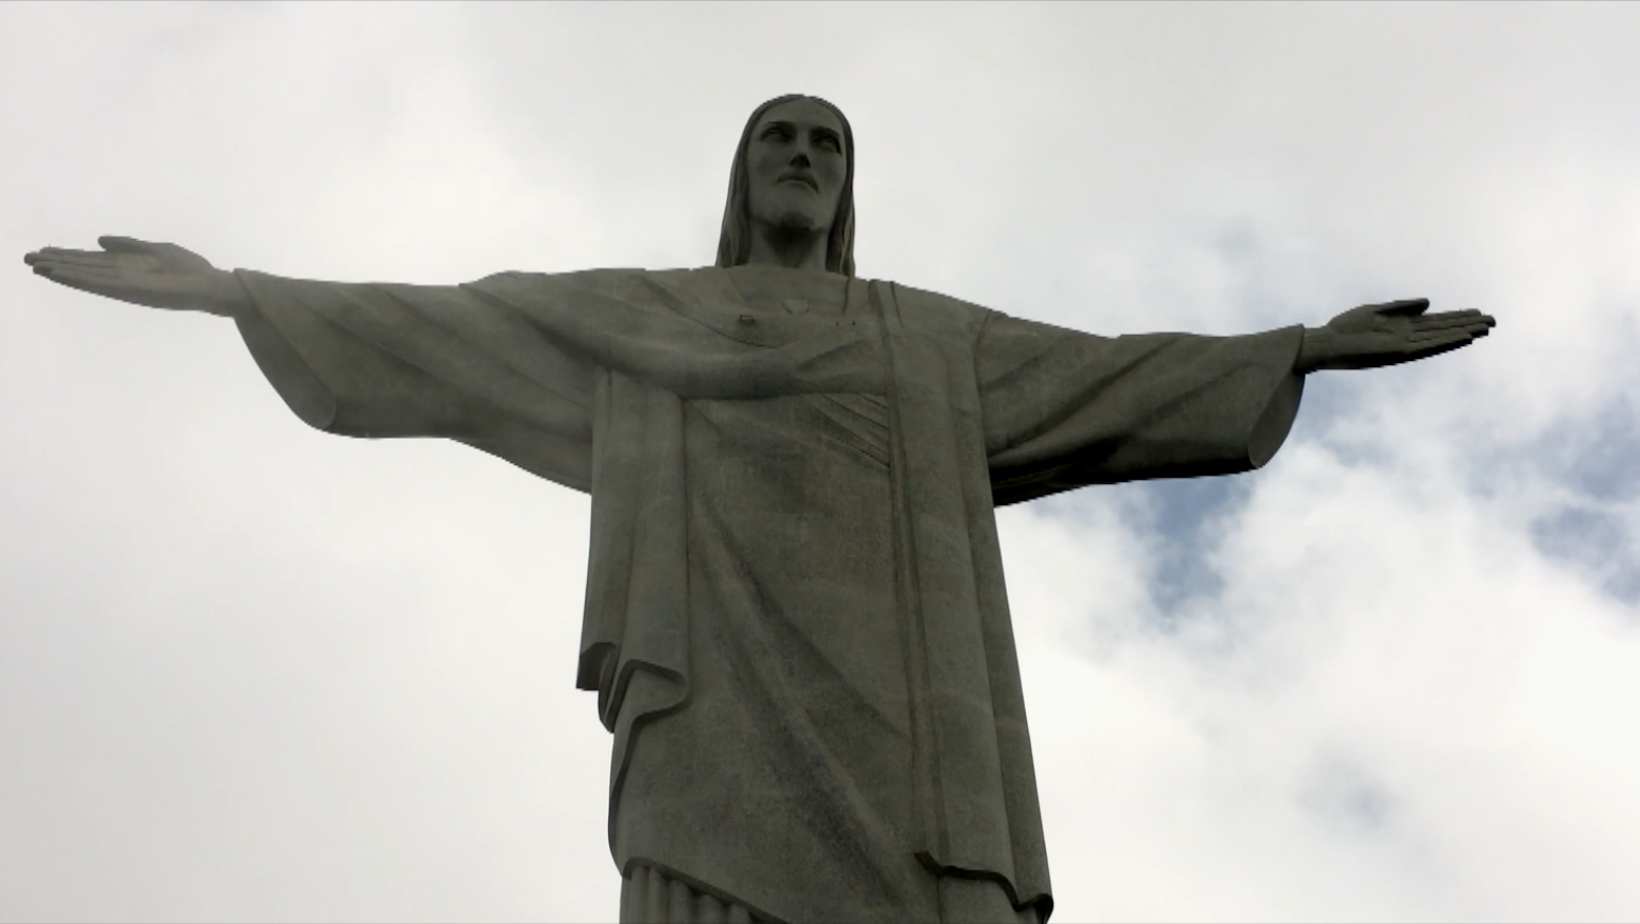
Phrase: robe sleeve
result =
(1063, 409)
(389, 360)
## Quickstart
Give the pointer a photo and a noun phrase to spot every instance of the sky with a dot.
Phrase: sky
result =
(253, 672)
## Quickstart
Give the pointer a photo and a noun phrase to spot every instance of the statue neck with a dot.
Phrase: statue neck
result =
(792, 249)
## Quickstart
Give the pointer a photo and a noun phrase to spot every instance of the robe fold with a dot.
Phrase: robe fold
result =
(795, 621)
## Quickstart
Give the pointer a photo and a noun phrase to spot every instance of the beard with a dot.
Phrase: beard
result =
(791, 213)
(789, 227)
(795, 222)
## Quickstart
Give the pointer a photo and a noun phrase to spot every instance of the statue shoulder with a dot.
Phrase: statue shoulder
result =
(611, 281)
(934, 308)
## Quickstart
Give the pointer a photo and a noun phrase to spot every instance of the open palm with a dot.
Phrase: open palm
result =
(143, 272)
(1388, 333)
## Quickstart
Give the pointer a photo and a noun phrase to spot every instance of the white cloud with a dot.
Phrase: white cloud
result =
(257, 672)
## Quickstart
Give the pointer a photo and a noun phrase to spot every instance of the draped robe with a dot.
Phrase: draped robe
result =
(795, 617)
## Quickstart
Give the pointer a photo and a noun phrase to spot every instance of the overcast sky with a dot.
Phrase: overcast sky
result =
(252, 672)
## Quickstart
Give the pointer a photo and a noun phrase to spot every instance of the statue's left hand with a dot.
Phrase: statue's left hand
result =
(1389, 333)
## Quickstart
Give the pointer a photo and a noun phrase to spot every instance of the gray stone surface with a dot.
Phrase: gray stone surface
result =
(795, 619)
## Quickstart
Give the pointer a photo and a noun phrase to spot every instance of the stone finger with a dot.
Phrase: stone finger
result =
(74, 279)
(66, 257)
(118, 243)
(1440, 338)
(1405, 306)
(1443, 317)
(68, 266)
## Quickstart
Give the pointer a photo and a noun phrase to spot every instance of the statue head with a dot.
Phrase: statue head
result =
(793, 171)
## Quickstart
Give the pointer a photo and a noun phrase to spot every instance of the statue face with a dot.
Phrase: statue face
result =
(795, 166)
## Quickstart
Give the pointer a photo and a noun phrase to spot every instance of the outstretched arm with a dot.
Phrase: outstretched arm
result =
(1389, 333)
(1064, 408)
(143, 273)
(374, 359)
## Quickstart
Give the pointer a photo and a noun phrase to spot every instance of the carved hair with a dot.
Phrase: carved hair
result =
(735, 242)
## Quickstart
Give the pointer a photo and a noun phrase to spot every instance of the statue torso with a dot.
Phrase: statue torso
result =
(771, 290)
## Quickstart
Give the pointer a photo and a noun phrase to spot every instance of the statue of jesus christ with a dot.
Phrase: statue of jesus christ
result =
(795, 616)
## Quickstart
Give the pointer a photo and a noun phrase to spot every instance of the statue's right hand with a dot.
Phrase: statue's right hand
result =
(143, 272)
